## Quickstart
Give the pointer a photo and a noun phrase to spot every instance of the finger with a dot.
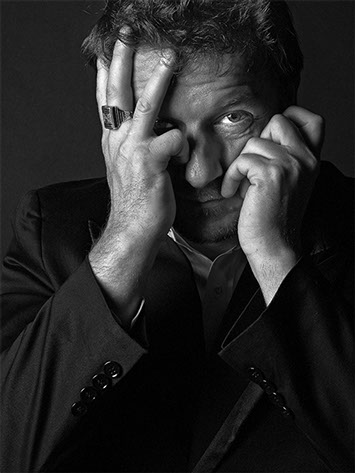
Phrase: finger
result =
(232, 180)
(119, 89)
(246, 167)
(263, 147)
(101, 84)
(150, 102)
(243, 187)
(282, 131)
(171, 145)
(310, 125)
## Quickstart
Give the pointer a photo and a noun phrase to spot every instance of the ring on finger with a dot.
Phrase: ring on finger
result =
(113, 117)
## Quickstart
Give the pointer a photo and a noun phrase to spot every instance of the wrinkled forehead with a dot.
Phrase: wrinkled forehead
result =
(202, 69)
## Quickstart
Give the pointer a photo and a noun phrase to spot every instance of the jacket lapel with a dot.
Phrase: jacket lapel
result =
(227, 433)
(243, 293)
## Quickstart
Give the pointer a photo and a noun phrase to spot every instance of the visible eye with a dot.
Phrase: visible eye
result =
(162, 126)
(238, 121)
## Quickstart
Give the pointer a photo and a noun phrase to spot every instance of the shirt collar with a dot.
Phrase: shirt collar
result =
(175, 236)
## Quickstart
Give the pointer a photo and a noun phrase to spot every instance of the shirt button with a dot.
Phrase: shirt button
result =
(113, 369)
(78, 409)
(218, 290)
(88, 394)
(101, 382)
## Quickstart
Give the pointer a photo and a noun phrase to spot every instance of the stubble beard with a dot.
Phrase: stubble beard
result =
(201, 225)
(197, 221)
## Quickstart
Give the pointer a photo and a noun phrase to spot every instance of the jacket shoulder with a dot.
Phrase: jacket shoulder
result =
(55, 220)
(84, 199)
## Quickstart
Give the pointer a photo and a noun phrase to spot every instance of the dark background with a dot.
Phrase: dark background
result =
(50, 130)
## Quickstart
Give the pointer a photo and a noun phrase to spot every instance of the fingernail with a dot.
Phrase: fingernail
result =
(126, 30)
(124, 34)
(168, 57)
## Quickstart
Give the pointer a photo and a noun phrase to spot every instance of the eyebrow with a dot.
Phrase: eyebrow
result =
(244, 97)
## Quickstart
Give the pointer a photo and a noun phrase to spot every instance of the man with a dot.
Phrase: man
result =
(192, 312)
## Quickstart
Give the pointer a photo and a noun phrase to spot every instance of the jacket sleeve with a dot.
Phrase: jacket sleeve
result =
(54, 340)
(299, 350)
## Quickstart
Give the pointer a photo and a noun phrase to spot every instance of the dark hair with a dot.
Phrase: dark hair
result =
(261, 30)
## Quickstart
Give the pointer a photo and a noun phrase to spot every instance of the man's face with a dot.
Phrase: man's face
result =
(217, 110)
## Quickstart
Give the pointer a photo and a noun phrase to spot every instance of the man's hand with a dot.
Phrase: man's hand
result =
(275, 175)
(142, 198)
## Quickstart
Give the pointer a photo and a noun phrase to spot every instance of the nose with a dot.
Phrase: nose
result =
(205, 163)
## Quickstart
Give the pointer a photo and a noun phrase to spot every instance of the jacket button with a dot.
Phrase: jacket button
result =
(287, 412)
(78, 409)
(88, 394)
(113, 369)
(267, 386)
(101, 382)
(255, 374)
(277, 399)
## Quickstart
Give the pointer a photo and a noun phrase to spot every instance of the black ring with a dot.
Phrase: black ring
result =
(113, 117)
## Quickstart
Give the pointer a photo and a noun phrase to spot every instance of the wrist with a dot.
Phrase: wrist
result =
(270, 269)
(121, 264)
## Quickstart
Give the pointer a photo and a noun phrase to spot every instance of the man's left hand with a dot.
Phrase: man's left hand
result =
(275, 175)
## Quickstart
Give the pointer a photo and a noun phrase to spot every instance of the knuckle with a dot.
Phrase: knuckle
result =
(274, 170)
(296, 165)
(135, 124)
(276, 118)
(253, 141)
(144, 105)
(274, 173)
(277, 121)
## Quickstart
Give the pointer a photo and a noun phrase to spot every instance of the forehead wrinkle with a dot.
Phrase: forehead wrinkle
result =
(221, 90)
(200, 91)
(204, 68)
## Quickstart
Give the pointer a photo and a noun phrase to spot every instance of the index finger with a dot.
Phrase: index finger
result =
(151, 100)
(119, 83)
(309, 124)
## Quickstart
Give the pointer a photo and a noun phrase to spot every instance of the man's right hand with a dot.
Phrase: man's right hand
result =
(142, 199)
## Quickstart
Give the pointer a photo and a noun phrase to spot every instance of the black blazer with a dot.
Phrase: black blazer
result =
(275, 395)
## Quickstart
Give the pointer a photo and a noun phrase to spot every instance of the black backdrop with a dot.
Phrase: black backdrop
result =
(50, 131)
